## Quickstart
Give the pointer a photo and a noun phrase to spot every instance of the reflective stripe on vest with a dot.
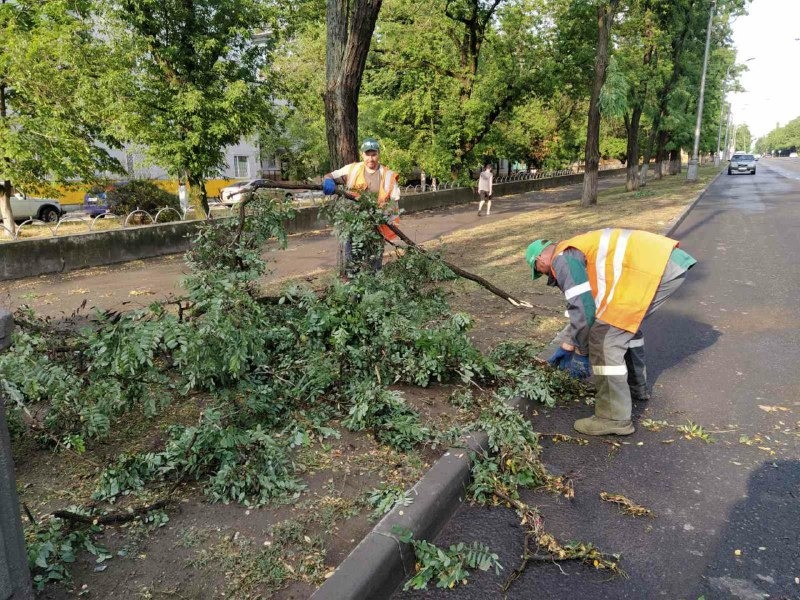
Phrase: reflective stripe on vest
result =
(357, 182)
(625, 268)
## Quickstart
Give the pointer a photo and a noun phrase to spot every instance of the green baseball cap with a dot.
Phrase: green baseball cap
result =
(533, 252)
(370, 144)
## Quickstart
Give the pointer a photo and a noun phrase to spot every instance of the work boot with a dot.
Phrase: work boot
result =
(599, 426)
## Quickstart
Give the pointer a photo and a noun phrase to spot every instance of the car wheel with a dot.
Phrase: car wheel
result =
(754, 172)
(48, 214)
(288, 197)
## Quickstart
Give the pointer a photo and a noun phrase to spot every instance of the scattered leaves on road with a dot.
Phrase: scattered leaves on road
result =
(563, 437)
(629, 507)
(694, 431)
(652, 425)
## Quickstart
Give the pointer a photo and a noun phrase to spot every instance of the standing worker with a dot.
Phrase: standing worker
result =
(485, 188)
(371, 176)
(612, 279)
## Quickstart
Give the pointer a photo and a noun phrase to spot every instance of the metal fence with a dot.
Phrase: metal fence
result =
(138, 217)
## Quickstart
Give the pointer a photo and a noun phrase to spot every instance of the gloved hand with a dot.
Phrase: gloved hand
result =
(561, 359)
(329, 187)
(580, 368)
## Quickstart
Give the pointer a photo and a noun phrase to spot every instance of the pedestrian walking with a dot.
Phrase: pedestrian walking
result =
(371, 176)
(612, 280)
(485, 189)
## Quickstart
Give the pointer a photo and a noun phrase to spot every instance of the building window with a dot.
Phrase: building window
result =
(241, 166)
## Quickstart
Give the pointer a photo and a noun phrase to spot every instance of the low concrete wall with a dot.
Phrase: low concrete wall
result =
(29, 258)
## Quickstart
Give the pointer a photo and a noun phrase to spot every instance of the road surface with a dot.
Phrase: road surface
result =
(723, 353)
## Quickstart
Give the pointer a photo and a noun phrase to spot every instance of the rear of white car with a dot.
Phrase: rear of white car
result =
(742, 163)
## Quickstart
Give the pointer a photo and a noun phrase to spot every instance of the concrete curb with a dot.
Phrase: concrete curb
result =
(380, 562)
(670, 229)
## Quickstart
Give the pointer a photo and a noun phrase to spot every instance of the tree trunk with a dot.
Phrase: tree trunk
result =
(9, 227)
(605, 17)
(632, 160)
(660, 154)
(350, 27)
(198, 196)
(648, 153)
(675, 162)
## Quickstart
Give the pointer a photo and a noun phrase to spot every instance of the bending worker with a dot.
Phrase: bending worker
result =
(612, 279)
(371, 176)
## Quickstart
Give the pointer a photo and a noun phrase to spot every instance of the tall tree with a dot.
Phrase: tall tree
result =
(195, 79)
(438, 80)
(350, 27)
(51, 108)
(606, 11)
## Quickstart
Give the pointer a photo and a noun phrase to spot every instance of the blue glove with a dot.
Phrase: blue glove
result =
(580, 368)
(561, 359)
(329, 187)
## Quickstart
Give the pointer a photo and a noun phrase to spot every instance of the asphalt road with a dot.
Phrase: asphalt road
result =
(723, 353)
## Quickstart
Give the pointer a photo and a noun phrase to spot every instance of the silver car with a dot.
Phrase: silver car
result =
(45, 209)
(742, 163)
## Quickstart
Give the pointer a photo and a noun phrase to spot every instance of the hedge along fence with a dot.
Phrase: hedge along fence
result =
(38, 256)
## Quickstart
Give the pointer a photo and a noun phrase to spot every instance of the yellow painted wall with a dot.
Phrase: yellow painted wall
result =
(213, 186)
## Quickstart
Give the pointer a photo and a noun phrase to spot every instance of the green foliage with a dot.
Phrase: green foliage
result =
(53, 545)
(52, 110)
(141, 194)
(192, 78)
(385, 498)
(448, 566)
(781, 140)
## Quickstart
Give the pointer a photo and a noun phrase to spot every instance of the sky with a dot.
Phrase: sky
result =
(770, 34)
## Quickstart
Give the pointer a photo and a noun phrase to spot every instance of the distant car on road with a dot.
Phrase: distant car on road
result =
(26, 207)
(757, 156)
(793, 155)
(742, 163)
(236, 192)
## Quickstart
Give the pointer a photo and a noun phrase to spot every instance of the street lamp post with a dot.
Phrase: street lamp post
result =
(691, 172)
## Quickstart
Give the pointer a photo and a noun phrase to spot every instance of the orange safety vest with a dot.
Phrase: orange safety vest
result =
(625, 267)
(357, 182)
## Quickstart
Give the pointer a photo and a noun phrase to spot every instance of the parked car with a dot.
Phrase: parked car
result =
(235, 193)
(95, 203)
(793, 155)
(742, 163)
(26, 207)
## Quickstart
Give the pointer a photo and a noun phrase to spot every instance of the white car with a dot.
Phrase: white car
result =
(235, 193)
(45, 209)
(793, 155)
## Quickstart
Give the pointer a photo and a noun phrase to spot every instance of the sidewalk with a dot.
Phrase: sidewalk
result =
(136, 284)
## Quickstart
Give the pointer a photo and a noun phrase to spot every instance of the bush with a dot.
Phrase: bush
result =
(143, 195)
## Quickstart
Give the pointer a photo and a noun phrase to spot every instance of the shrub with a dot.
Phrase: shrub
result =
(143, 195)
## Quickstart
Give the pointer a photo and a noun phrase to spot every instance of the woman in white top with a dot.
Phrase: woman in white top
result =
(485, 189)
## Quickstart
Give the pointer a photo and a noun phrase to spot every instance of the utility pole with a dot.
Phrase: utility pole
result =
(691, 172)
(15, 579)
(725, 108)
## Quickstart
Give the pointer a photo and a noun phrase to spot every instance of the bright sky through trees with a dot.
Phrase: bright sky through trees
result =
(770, 33)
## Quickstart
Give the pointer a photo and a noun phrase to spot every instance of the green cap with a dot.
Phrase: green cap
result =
(370, 144)
(533, 252)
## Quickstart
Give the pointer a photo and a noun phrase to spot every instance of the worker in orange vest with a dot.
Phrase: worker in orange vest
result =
(367, 175)
(612, 279)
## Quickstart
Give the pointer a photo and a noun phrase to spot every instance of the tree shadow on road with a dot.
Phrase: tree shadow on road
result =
(764, 527)
(669, 346)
